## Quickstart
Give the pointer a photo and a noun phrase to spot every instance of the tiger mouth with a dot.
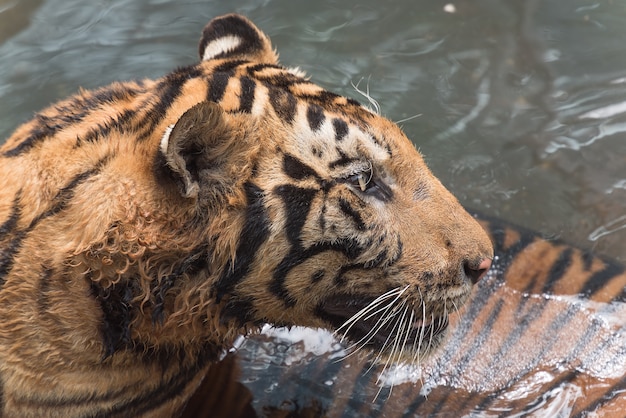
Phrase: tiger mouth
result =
(382, 327)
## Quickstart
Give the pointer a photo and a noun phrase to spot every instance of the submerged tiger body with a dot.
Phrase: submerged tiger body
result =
(146, 225)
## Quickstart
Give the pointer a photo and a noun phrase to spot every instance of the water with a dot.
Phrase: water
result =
(519, 106)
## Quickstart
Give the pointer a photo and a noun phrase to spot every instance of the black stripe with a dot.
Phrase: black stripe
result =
(43, 130)
(323, 97)
(117, 314)
(482, 336)
(145, 401)
(69, 114)
(103, 130)
(297, 203)
(558, 269)
(239, 309)
(365, 382)
(10, 224)
(317, 276)
(283, 80)
(60, 202)
(380, 258)
(8, 250)
(114, 93)
(168, 91)
(557, 384)
(341, 129)
(167, 390)
(339, 280)
(353, 102)
(599, 279)
(587, 258)
(411, 410)
(190, 265)
(229, 66)
(284, 104)
(349, 211)
(246, 97)
(315, 116)
(7, 255)
(43, 304)
(66, 194)
(498, 232)
(253, 234)
(217, 86)
(348, 247)
(298, 170)
(343, 159)
(257, 68)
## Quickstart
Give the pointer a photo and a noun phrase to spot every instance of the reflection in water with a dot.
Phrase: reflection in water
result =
(522, 114)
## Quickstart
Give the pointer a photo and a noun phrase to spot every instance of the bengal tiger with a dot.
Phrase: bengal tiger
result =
(146, 225)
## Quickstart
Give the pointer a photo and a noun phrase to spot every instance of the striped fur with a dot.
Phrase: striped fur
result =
(147, 224)
(541, 336)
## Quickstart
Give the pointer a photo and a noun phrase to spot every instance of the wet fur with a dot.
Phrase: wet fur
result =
(147, 224)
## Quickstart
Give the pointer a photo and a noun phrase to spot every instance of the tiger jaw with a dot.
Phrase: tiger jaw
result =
(391, 325)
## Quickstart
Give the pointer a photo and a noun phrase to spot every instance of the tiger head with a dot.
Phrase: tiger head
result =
(321, 212)
(228, 194)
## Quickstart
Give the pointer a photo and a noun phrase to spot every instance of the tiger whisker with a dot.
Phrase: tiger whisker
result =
(432, 331)
(394, 346)
(382, 321)
(421, 336)
(394, 336)
(389, 294)
(370, 307)
(409, 328)
(366, 94)
(408, 118)
(456, 310)
(392, 333)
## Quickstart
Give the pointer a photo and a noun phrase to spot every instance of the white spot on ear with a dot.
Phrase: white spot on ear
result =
(165, 140)
(220, 46)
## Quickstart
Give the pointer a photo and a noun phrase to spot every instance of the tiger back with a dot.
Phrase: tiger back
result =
(146, 225)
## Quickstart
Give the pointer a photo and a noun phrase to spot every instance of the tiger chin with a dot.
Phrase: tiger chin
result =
(145, 225)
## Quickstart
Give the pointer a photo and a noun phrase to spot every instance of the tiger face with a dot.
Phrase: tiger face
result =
(158, 220)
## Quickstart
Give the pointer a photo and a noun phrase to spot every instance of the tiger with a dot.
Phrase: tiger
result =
(147, 225)
(542, 335)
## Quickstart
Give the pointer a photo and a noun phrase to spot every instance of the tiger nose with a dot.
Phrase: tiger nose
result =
(477, 272)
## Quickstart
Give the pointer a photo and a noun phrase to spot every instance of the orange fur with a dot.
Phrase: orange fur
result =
(145, 225)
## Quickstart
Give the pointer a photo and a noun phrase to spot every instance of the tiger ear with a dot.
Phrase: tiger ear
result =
(234, 36)
(194, 151)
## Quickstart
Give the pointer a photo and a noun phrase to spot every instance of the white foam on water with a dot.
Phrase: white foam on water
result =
(303, 342)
